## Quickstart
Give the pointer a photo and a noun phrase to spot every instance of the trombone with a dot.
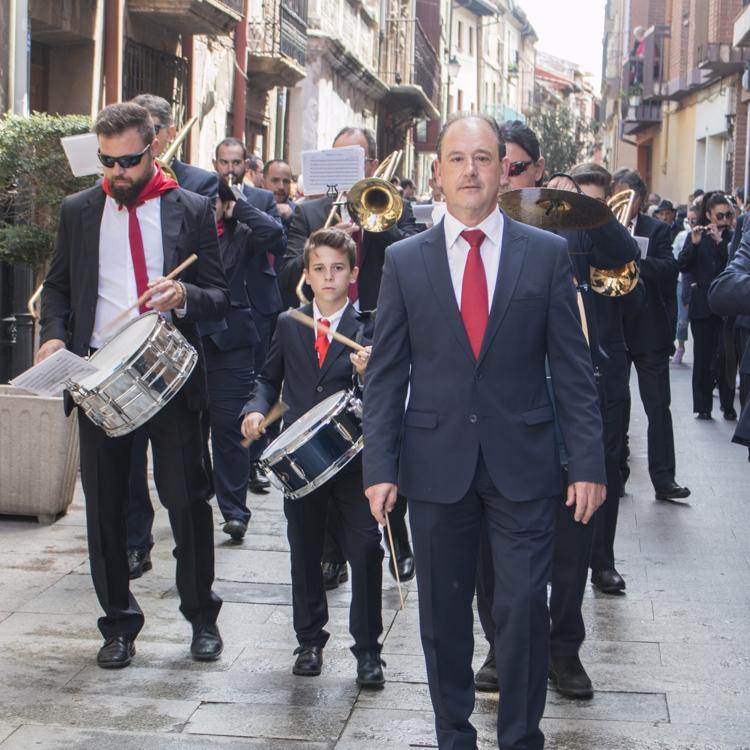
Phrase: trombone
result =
(617, 282)
(373, 203)
(165, 161)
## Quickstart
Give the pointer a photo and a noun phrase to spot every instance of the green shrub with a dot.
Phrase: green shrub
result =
(34, 178)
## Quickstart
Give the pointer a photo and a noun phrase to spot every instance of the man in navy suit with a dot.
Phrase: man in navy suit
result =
(262, 284)
(467, 314)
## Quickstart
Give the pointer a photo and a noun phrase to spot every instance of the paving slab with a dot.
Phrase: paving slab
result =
(65, 738)
(7, 729)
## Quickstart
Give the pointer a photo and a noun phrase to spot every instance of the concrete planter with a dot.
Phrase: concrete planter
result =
(38, 455)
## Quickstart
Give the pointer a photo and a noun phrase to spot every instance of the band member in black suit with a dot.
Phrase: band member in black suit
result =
(244, 233)
(704, 257)
(608, 247)
(741, 322)
(730, 295)
(277, 177)
(311, 368)
(231, 164)
(371, 246)
(468, 314)
(650, 338)
(114, 241)
(140, 507)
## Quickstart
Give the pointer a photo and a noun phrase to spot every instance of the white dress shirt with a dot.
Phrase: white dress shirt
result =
(117, 288)
(458, 250)
(334, 319)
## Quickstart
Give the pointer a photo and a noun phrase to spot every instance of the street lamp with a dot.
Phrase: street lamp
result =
(454, 67)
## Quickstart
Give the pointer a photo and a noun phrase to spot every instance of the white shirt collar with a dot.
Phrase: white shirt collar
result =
(332, 319)
(492, 226)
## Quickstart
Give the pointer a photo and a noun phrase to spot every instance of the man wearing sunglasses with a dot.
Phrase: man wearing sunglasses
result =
(116, 241)
(704, 257)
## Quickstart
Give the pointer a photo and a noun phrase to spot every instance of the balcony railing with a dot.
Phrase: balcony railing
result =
(277, 42)
(722, 59)
(638, 117)
(409, 58)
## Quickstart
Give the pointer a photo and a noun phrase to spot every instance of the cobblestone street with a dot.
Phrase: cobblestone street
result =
(669, 660)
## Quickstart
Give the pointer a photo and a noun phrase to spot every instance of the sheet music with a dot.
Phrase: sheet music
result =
(341, 167)
(81, 151)
(643, 245)
(49, 376)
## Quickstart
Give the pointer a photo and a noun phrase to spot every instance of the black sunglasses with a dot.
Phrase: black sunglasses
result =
(126, 162)
(727, 215)
(519, 167)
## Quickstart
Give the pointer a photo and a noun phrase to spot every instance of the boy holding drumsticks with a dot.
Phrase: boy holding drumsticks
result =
(310, 368)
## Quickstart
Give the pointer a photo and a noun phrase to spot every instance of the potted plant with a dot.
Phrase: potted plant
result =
(39, 445)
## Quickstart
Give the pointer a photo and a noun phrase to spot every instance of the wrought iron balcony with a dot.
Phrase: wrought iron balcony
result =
(722, 59)
(277, 43)
(639, 116)
(411, 68)
(191, 16)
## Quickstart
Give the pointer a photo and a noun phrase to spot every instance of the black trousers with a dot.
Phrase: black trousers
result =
(306, 522)
(230, 380)
(708, 365)
(266, 325)
(140, 509)
(652, 369)
(446, 542)
(333, 548)
(604, 522)
(181, 480)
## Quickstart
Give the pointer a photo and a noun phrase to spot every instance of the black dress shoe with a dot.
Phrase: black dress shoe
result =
(730, 415)
(258, 481)
(116, 652)
(672, 491)
(334, 574)
(404, 560)
(139, 561)
(567, 674)
(309, 661)
(207, 644)
(704, 415)
(370, 670)
(485, 680)
(236, 529)
(608, 581)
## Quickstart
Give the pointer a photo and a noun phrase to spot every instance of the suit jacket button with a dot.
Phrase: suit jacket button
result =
(473, 419)
(319, 389)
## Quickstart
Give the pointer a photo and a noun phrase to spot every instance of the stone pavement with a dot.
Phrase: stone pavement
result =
(669, 659)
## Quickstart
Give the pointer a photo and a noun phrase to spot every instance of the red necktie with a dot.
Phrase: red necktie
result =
(354, 288)
(321, 341)
(158, 184)
(474, 298)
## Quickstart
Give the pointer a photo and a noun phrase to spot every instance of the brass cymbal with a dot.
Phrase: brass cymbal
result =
(554, 209)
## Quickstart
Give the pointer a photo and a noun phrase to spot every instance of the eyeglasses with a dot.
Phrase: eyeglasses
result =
(519, 167)
(722, 216)
(126, 162)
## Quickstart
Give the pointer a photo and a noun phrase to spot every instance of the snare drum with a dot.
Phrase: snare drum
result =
(315, 447)
(140, 369)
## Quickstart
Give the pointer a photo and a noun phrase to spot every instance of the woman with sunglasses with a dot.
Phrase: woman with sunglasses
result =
(704, 256)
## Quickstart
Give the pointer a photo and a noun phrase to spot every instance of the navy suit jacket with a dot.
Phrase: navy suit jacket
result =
(243, 252)
(498, 404)
(730, 295)
(652, 329)
(196, 180)
(262, 282)
(292, 363)
(70, 293)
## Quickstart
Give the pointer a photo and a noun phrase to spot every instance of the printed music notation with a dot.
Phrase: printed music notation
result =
(49, 376)
(341, 167)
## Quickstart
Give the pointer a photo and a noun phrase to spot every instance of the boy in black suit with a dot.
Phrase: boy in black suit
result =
(311, 368)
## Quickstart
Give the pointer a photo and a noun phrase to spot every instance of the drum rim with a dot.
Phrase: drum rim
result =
(324, 476)
(348, 396)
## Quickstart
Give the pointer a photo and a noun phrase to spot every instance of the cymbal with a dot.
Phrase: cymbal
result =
(554, 209)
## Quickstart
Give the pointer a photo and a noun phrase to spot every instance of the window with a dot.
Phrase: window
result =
(460, 37)
(460, 96)
(471, 40)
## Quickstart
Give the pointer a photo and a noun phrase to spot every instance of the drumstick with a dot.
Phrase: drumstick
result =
(275, 413)
(393, 556)
(185, 263)
(310, 323)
